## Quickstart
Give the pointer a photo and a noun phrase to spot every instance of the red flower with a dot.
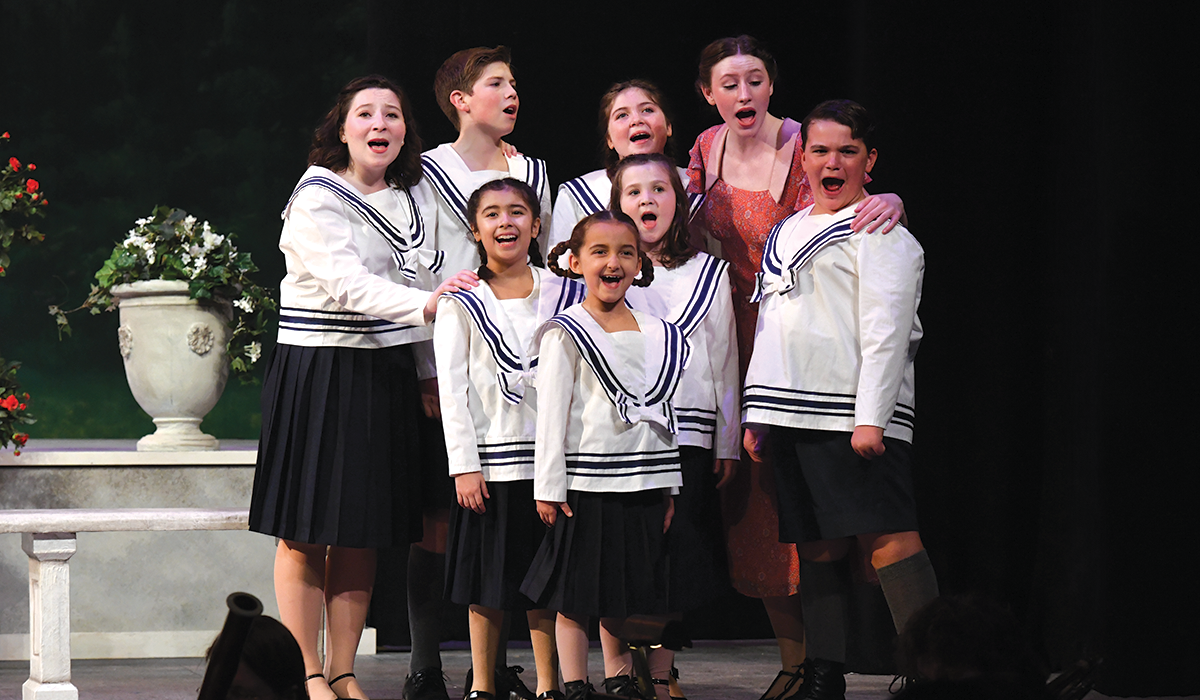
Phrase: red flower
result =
(4, 135)
(19, 195)
(10, 403)
(31, 166)
(14, 164)
(20, 438)
(31, 185)
(45, 201)
(21, 407)
(35, 196)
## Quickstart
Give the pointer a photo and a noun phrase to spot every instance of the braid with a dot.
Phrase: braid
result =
(647, 275)
(552, 260)
(484, 272)
(535, 254)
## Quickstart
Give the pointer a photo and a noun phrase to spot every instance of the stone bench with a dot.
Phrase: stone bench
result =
(48, 538)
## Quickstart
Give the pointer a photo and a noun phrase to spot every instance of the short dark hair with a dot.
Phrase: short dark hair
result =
(579, 233)
(328, 151)
(722, 49)
(677, 247)
(460, 71)
(531, 201)
(609, 156)
(847, 113)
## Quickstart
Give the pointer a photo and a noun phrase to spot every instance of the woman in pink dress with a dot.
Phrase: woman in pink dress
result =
(749, 169)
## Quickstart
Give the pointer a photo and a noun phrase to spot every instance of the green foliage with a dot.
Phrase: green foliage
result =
(173, 245)
(13, 407)
(20, 198)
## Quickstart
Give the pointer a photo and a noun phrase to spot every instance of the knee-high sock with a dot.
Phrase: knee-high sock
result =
(426, 581)
(908, 585)
(824, 595)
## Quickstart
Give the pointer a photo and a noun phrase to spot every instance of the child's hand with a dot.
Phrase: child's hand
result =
(670, 511)
(464, 279)
(724, 469)
(509, 150)
(472, 491)
(548, 511)
(867, 441)
(884, 210)
(755, 442)
(430, 402)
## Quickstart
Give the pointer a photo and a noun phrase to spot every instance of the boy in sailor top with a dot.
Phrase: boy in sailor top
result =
(476, 90)
(606, 458)
(832, 378)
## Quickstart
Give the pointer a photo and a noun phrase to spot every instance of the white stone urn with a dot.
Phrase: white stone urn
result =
(174, 351)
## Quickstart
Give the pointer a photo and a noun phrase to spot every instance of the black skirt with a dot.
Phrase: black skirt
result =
(488, 554)
(608, 560)
(334, 454)
(826, 491)
(696, 540)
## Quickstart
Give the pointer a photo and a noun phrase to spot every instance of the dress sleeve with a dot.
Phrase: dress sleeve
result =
(320, 239)
(890, 274)
(723, 356)
(696, 162)
(452, 350)
(558, 364)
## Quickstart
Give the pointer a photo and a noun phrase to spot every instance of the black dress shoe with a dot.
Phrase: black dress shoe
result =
(426, 684)
(622, 686)
(579, 690)
(824, 680)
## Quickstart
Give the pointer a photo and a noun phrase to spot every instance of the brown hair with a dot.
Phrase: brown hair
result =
(460, 71)
(722, 49)
(531, 201)
(609, 156)
(579, 233)
(677, 247)
(845, 112)
(328, 150)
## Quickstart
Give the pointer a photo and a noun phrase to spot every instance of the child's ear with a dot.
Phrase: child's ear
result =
(706, 90)
(537, 227)
(874, 154)
(573, 263)
(458, 99)
(475, 234)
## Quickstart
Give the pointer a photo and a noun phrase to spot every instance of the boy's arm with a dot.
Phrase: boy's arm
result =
(890, 269)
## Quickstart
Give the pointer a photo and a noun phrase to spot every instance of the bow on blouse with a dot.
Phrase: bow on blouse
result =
(773, 284)
(513, 383)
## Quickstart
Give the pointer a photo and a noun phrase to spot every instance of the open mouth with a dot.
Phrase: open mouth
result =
(639, 137)
(649, 220)
(506, 238)
(832, 185)
(510, 110)
(611, 280)
(745, 116)
(378, 145)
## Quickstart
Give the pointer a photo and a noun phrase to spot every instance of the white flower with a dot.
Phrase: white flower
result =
(186, 258)
(211, 240)
(195, 250)
(189, 222)
(141, 222)
(150, 256)
(201, 263)
(246, 304)
(253, 351)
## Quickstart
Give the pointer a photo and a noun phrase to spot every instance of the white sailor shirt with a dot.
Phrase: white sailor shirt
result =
(605, 421)
(454, 183)
(696, 297)
(355, 264)
(486, 362)
(837, 327)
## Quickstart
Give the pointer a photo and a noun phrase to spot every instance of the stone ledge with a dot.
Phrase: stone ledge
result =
(123, 519)
(123, 453)
(140, 645)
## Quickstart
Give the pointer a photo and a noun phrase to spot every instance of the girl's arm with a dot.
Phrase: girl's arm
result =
(723, 358)
(452, 351)
(558, 364)
(884, 210)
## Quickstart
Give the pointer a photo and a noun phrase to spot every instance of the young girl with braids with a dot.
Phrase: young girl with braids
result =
(690, 289)
(483, 340)
(606, 459)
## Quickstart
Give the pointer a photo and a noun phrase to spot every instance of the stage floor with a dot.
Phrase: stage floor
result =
(711, 671)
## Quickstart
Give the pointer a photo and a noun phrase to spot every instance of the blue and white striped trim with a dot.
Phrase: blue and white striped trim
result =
(584, 196)
(505, 357)
(696, 420)
(773, 264)
(622, 464)
(703, 294)
(345, 322)
(570, 293)
(695, 202)
(505, 454)
(814, 403)
(444, 184)
(402, 243)
(535, 175)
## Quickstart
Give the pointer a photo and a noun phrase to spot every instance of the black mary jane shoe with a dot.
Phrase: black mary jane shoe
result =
(552, 695)
(480, 695)
(335, 680)
(790, 679)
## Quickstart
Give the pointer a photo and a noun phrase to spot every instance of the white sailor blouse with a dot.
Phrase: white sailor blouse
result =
(355, 263)
(454, 182)
(696, 297)
(605, 421)
(486, 361)
(837, 327)
(588, 194)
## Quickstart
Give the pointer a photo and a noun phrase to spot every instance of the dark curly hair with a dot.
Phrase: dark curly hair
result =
(531, 201)
(609, 156)
(328, 151)
(677, 247)
(579, 233)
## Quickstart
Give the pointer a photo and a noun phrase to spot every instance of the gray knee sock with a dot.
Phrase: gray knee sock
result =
(908, 585)
(426, 580)
(824, 593)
